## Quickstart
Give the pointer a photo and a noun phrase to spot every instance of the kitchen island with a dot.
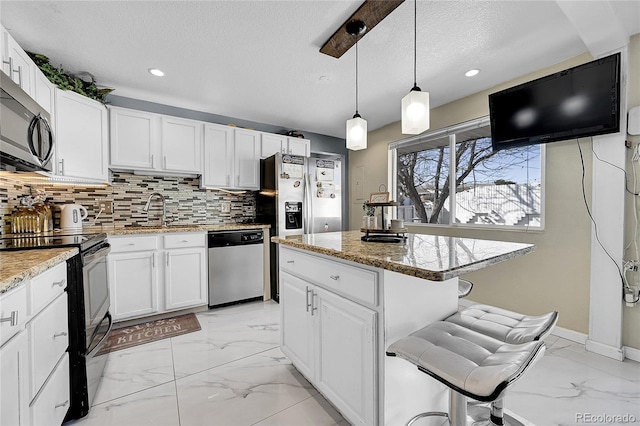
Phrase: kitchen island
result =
(344, 301)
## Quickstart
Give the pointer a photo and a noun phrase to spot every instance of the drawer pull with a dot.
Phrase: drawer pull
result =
(184, 241)
(58, 283)
(13, 319)
(131, 244)
(64, 404)
(334, 277)
(61, 334)
(291, 261)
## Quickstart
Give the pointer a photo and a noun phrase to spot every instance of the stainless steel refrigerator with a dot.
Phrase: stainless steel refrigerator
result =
(299, 195)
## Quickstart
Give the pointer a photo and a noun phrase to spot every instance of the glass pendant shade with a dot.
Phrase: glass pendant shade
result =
(356, 133)
(415, 112)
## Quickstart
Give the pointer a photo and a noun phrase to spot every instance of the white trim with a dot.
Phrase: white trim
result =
(565, 333)
(604, 350)
(437, 134)
(631, 353)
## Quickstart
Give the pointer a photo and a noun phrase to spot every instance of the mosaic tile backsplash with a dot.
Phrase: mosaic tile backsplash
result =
(186, 202)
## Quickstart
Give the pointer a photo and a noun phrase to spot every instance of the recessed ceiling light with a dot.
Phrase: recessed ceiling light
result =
(472, 72)
(156, 72)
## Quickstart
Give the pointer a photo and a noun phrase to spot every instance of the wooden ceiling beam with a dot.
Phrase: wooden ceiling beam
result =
(371, 12)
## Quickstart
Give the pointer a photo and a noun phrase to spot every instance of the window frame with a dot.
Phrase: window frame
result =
(451, 132)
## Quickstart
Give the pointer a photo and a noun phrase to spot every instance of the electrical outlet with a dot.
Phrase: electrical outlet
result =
(225, 206)
(106, 207)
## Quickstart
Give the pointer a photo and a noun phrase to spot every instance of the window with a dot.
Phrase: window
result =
(492, 188)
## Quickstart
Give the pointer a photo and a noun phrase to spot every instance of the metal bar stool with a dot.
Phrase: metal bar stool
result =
(471, 364)
(464, 288)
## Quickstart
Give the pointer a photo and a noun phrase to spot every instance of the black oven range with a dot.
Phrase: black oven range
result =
(90, 322)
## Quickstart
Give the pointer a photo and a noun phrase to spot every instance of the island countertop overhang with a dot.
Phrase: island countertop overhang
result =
(431, 257)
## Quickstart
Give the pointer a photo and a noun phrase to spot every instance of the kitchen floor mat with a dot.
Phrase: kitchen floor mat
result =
(150, 331)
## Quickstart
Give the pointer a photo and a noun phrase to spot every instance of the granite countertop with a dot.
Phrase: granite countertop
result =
(21, 265)
(132, 230)
(431, 257)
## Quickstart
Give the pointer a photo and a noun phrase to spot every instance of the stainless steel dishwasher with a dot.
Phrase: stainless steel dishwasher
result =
(236, 266)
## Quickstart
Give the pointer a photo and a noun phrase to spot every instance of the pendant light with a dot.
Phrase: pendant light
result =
(415, 106)
(357, 126)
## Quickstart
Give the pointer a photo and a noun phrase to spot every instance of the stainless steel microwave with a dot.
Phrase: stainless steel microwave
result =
(26, 138)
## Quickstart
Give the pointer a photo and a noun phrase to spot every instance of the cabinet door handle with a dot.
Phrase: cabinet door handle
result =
(334, 277)
(238, 180)
(167, 254)
(58, 283)
(19, 72)
(308, 304)
(61, 334)
(153, 260)
(10, 63)
(164, 161)
(153, 163)
(313, 303)
(13, 319)
(227, 180)
(62, 166)
(63, 404)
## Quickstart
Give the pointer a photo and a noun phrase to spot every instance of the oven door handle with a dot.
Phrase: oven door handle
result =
(91, 257)
(104, 338)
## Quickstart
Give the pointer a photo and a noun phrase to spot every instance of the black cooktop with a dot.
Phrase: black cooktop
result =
(83, 240)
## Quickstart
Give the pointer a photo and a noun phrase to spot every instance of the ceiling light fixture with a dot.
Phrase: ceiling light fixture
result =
(357, 126)
(472, 72)
(415, 105)
(156, 72)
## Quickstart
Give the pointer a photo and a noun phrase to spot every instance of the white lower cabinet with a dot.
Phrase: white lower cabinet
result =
(133, 284)
(14, 403)
(331, 340)
(34, 364)
(159, 273)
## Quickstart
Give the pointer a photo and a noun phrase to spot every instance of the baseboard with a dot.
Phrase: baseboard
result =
(631, 353)
(604, 350)
(574, 336)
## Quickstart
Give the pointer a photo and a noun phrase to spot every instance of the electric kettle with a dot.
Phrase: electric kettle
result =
(72, 215)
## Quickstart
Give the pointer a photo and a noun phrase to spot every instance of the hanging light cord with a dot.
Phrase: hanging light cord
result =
(415, 41)
(356, 75)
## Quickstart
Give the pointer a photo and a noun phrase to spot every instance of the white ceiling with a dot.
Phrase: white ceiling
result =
(260, 60)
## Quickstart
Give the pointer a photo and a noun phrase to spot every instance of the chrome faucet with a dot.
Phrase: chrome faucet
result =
(164, 206)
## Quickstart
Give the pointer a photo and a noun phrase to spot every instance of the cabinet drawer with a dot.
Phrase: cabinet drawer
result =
(46, 287)
(126, 244)
(48, 340)
(52, 404)
(13, 305)
(355, 283)
(193, 239)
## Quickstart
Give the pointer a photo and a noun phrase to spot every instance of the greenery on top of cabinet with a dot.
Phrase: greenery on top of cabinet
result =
(66, 81)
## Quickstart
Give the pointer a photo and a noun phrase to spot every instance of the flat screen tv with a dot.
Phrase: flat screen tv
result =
(578, 102)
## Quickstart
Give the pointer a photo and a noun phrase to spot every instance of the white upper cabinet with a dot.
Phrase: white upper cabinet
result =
(231, 158)
(247, 159)
(81, 137)
(24, 72)
(132, 138)
(181, 145)
(298, 146)
(17, 64)
(148, 142)
(217, 167)
(272, 143)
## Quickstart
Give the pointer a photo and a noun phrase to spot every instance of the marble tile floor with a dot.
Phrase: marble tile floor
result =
(232, 372)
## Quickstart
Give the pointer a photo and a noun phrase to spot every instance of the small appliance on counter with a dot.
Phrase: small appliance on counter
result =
(72, 215)
(32, 216)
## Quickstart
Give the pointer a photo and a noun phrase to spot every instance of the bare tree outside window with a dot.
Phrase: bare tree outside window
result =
(492, 187)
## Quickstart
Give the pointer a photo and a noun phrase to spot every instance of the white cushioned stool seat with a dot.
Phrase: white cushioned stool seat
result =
(466, 361)
(504, 325)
